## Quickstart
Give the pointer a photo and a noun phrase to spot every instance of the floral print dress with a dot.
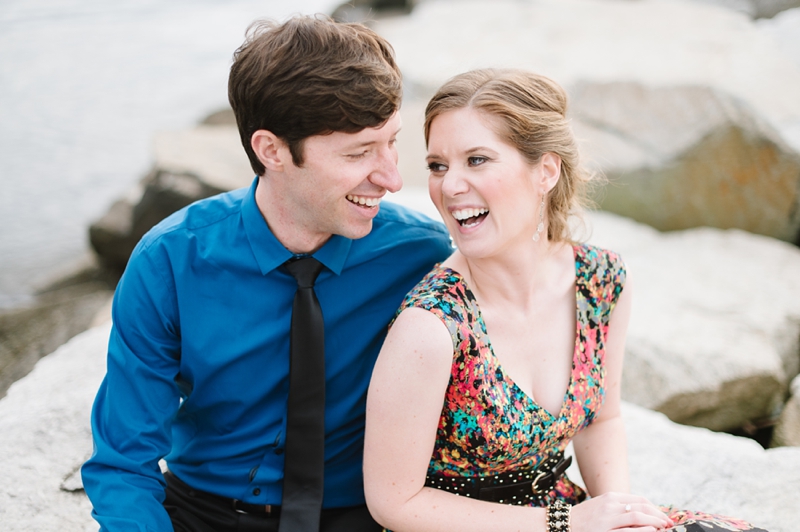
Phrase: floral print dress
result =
(488, 425)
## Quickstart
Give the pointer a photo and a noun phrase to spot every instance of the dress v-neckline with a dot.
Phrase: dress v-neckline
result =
(498, 363)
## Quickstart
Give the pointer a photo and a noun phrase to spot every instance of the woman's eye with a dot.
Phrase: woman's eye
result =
(476, 160)
(436, 167)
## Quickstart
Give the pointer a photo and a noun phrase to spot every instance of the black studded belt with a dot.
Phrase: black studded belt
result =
(520, 487)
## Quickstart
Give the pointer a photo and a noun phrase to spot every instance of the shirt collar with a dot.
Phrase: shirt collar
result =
(268, 250)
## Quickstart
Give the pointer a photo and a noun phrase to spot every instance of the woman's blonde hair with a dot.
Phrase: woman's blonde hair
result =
(532, 115)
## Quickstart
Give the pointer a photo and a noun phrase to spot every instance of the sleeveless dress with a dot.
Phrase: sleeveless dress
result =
(488, 425)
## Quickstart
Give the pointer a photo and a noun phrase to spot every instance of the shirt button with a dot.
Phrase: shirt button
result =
(256, 492)
(278, 451)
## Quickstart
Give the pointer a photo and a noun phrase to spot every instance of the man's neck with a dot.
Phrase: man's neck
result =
(282, 223)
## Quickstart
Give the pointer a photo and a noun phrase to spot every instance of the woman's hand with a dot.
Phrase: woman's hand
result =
(619, 512)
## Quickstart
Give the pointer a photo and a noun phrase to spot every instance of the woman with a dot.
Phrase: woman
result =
(467, 407)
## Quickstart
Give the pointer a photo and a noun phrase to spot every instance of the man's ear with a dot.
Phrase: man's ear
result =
(550, 170)
(269, 149)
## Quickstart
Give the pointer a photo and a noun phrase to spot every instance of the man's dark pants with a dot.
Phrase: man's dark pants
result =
(195, 511)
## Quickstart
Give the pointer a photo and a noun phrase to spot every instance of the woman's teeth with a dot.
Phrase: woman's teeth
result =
(469, 217)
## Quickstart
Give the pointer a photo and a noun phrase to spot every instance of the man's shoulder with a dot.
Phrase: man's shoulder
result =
(202, 214)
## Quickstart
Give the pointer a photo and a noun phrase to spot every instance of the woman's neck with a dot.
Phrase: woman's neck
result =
(515, 278)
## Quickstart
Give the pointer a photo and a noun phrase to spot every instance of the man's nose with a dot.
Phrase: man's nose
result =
(386, 174)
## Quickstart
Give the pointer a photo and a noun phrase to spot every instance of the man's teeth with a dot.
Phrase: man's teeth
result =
(363, 200)
(464, 214)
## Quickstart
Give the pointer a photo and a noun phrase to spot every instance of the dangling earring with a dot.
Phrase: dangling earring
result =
(540, 227)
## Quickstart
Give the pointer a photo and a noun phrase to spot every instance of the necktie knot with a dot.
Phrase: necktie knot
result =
(305, 270)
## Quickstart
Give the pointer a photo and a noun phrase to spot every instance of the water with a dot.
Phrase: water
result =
(84, 84)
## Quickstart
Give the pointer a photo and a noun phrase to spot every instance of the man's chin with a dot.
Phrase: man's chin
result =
(356, 231)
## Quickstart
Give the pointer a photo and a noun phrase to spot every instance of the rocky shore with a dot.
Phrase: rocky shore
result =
(691, 112)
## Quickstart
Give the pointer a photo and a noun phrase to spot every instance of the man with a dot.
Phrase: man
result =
(199, 355)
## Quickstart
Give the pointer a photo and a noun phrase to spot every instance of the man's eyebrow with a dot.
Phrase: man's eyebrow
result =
(368, 142)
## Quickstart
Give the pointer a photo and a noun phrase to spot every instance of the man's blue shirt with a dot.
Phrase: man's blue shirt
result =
(198, 359)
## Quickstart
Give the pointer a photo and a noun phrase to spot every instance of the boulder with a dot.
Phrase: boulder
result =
(222, 117)
(755, 8)
(683, 157)
(697, 469)
(724, 78)
(785, 30)
(366, 10)
(714, 338)
(189, 165)
(787, 430)
(59, 311)
(45, 437)
(213, 154)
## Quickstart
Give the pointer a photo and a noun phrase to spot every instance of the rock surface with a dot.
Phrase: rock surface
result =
(745, 125)
(785, 30)
(787, 430)
(683, 157)
(755, 8)
(189, 165)
(45, 437)
(714, 338)
(213, 154)
(59, 311)
(696, 469)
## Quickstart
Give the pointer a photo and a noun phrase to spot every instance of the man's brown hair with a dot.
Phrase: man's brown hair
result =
(311, 76)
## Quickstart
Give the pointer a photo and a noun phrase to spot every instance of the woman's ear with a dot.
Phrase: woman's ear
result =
(269, 149)
(550, 170)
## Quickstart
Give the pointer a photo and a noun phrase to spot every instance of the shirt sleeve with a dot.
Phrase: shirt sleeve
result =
(137, 400)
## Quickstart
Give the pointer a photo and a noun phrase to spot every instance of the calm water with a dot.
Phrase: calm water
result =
(84, 84)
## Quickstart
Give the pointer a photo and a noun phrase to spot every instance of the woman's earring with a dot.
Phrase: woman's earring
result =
(540, 227)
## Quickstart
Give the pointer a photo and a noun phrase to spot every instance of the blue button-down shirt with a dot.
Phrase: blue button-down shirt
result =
(198, 359)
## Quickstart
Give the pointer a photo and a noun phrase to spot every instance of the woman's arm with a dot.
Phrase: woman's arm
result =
(601, 448)
(403, 408)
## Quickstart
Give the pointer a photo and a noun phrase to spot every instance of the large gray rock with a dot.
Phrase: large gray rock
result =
(683, 157)
(61, 309)
(714, 338)
(745, 83)
(365, 11)
(755, 8)
(45, 437)
(189, 165)
(787, 430)
(213, 154)
(785, 30)
(696, 469)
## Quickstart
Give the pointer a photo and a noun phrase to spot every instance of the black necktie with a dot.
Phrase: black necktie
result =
(305, 422)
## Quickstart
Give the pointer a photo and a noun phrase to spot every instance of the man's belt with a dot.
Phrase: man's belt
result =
(520, 487)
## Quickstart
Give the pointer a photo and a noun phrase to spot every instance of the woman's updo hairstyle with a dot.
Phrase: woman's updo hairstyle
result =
(532, 116)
